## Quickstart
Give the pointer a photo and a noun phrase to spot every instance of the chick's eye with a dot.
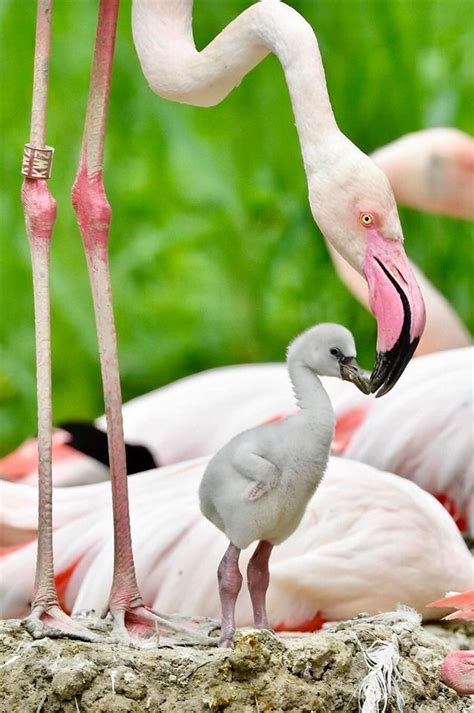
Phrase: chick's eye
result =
(367, 219)
(335, 352)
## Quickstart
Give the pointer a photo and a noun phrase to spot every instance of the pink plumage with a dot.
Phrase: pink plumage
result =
(464, 603)
(368, 541)
(457, 669)
(420, 431)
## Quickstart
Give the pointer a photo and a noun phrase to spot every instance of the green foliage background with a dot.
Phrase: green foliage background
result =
(215, 257)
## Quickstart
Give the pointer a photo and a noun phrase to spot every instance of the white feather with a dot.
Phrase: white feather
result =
(362, 526)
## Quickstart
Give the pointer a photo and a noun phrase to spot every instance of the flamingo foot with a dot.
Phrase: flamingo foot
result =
(457, 671)
(226, 640)
(137, 621)
(52, 622)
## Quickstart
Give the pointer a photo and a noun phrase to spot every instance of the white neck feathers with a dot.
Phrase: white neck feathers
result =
(310, 394)
(162, 31)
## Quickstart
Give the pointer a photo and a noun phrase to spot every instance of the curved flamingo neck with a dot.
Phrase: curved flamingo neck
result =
(175, 70)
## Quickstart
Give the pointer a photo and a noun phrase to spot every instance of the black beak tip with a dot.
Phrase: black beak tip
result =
(384, 390)
(380, 372)
(390, 366)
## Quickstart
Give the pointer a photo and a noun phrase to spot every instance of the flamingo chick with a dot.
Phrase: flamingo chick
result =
(257, 487)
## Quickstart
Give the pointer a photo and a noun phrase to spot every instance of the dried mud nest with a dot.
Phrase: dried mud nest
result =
(320, 672)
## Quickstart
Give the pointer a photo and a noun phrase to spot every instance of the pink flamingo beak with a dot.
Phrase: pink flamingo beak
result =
(396, 301)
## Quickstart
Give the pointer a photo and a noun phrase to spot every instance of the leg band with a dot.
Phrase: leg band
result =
(37, 163)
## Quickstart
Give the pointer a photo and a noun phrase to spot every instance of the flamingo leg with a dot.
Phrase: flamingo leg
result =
(93, 215)
(230, 582)
(258, 578)
(46, 617)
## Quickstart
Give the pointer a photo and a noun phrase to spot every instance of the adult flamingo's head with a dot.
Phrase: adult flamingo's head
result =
(351, 199)
(354, 206)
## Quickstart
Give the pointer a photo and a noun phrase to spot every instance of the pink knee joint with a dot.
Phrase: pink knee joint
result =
(40, 208)
(92, 208)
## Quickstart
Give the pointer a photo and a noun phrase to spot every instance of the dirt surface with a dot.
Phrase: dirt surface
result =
(319, 672)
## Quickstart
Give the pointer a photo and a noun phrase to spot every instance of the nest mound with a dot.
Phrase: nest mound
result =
(320, 672)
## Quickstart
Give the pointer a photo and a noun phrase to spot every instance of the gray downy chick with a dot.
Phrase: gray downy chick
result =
(257, 487)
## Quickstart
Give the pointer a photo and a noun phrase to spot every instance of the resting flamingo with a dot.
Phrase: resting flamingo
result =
(424, 432)
(350, 197)
(368, 541)
(81, 559)
(432, 170)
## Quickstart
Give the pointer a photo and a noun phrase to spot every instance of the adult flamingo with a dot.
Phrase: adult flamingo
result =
(431, 170)
(350, 197)
(368, 541)
(424, 432)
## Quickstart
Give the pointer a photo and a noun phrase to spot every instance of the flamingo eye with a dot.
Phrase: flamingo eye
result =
(366, 219)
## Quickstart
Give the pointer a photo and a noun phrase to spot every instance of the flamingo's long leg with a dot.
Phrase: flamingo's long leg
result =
(93, 216)
(46, 617)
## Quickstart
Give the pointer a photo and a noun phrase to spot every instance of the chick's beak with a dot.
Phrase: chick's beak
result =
(396, 301)
(351, 371)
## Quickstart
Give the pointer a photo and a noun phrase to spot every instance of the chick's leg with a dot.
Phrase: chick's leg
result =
(230, 582)
(258, 578)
